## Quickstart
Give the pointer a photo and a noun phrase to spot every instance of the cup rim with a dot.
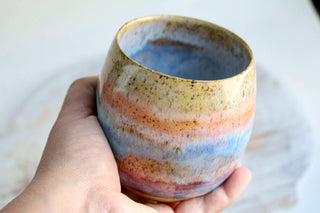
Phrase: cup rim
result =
(135, 21)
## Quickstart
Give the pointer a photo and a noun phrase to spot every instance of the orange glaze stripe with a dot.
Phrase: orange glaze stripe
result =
(216, 123)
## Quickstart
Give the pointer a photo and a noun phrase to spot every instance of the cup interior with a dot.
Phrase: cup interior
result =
(184, 47)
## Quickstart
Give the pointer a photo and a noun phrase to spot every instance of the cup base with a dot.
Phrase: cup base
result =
(141, 196)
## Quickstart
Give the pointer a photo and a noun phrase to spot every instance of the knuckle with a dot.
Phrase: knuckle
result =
(77, 82)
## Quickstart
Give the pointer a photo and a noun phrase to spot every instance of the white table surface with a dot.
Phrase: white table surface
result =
(37, 37)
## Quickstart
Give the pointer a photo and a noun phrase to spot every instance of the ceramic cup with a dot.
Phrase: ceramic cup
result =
(176, 100)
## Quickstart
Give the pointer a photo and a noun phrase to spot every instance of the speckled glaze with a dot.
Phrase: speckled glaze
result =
(176, 101)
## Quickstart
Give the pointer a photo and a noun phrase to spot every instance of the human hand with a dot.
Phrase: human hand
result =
(78, 173)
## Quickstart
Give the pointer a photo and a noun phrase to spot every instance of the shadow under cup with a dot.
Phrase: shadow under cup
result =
(176, 101)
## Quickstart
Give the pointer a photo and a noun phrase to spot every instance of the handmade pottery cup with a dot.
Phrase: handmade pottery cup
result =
(176, 100)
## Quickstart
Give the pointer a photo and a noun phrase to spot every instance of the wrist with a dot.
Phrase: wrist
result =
(28, 201)
(39, 197)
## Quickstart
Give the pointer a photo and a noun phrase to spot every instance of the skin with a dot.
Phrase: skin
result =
(78, 173)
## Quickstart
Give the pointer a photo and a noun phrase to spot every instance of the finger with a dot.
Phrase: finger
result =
(80, 101)
(163, 208)
(160, 207)
(237, 182)
(125, 204)
(221, 197)
(229, 191)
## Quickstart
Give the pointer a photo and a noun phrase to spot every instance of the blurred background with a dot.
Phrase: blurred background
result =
(45, 44)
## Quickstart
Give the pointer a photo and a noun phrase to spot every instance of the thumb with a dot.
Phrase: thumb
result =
(80, 101)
